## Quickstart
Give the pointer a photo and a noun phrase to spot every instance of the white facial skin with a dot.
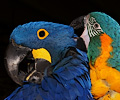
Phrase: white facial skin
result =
(92, 29)
(85, 35)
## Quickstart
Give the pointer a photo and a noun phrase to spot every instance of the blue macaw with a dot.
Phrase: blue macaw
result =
(42, 57)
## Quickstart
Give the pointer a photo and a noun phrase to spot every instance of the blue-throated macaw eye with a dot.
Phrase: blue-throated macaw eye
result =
(96, 25)
(42, 34)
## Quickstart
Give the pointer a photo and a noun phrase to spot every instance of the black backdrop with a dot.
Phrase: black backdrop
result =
(15, 12)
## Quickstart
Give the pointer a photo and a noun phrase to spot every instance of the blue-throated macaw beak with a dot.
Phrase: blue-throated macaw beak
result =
(79, 25)
(25, 64)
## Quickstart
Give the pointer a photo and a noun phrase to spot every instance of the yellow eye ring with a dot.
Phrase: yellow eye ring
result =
(42, 34)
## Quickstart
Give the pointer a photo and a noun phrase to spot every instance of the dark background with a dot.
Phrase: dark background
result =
(16, 12)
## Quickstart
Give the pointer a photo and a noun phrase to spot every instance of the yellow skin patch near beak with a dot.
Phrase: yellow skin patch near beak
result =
(41, 54)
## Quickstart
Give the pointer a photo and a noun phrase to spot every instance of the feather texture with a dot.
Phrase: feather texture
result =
(65, 76)
(70, 81)
(104, 72)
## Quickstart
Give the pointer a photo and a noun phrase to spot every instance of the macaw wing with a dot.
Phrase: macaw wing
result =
(74, 76)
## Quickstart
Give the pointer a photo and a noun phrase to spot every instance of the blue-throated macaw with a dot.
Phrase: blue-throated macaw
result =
(102, 38)
(43, 58)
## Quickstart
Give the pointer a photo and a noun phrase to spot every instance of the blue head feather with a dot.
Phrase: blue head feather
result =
(59, 39)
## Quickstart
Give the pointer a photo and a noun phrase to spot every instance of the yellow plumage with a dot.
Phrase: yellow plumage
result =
(112, 95)
(99, 88)
(103, 77)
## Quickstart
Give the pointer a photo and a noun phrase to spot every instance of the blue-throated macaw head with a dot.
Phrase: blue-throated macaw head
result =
(35, 46)
(94, 24)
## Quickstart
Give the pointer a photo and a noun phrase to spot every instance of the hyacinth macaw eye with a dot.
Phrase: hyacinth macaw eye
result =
(42, 34)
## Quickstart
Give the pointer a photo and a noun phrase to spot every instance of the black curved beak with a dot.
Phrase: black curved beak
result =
(14, 56)
(78, 25)
(21, 65)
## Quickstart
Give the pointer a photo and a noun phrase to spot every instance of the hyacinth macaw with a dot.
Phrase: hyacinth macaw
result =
(102, 38)
(42, 57)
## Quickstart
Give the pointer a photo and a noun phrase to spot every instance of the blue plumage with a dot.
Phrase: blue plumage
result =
(70, 86)
(69, 79)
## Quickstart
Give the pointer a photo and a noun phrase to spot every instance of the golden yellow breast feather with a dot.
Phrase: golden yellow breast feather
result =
(105, 80)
